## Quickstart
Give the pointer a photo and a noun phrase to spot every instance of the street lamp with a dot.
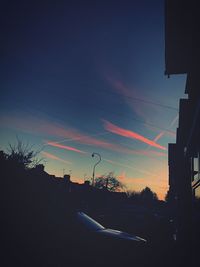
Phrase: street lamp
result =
(93, 154)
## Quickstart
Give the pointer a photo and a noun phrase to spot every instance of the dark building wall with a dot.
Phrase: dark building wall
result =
(182, 42)
(182, 55)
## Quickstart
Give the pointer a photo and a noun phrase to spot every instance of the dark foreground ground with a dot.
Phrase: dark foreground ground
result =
(34, 230)
(46, 241)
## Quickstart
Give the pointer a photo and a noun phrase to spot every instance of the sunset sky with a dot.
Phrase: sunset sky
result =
(78, 78)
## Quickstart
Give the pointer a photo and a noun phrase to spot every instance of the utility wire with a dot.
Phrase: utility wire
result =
(119, 114)
(140, 100)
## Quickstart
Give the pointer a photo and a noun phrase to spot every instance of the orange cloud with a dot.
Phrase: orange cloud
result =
(51, 156)
(130, 134)
(122, 176)
(66, 147)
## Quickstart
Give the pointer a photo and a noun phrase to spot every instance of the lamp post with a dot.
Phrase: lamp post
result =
(93, 154)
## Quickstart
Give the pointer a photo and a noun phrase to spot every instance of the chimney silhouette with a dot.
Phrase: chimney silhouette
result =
(67, 181)
(66, 178)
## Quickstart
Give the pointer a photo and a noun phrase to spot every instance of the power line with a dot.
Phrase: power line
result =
(138, 120)
(141, 100)
(100, 107)
(151, 102)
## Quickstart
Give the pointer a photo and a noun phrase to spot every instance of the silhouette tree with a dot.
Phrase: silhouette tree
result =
(22, 155)
(3, 155)
(147, 195)
(109, 182)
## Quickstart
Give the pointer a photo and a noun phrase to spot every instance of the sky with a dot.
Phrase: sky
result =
(82, 77)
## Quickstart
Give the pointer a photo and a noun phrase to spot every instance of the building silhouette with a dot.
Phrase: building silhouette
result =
(182, 56)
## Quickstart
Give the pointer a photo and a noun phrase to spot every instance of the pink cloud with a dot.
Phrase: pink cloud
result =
(137, 102)
(87, 140)
(43, 127)
(54, 144)
(130, 134)
(36, 125)
(119, 87)
(51, 156)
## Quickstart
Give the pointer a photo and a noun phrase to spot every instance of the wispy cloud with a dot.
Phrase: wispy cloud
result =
(174, 121)
(127, 94)
(129, 134)
(170, 133)
(167, 132)
(87, 140)
(158, 136)
(40, 126)
(112, 147)
(140, 170)
(142, 106)
(65, 147)
(52, 156)
(153, 153)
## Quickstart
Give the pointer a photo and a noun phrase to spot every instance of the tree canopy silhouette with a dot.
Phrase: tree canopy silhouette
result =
(21, 155)
(109, 182)
(147, 195)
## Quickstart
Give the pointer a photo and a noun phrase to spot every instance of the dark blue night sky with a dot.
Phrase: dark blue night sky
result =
(90, 75)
